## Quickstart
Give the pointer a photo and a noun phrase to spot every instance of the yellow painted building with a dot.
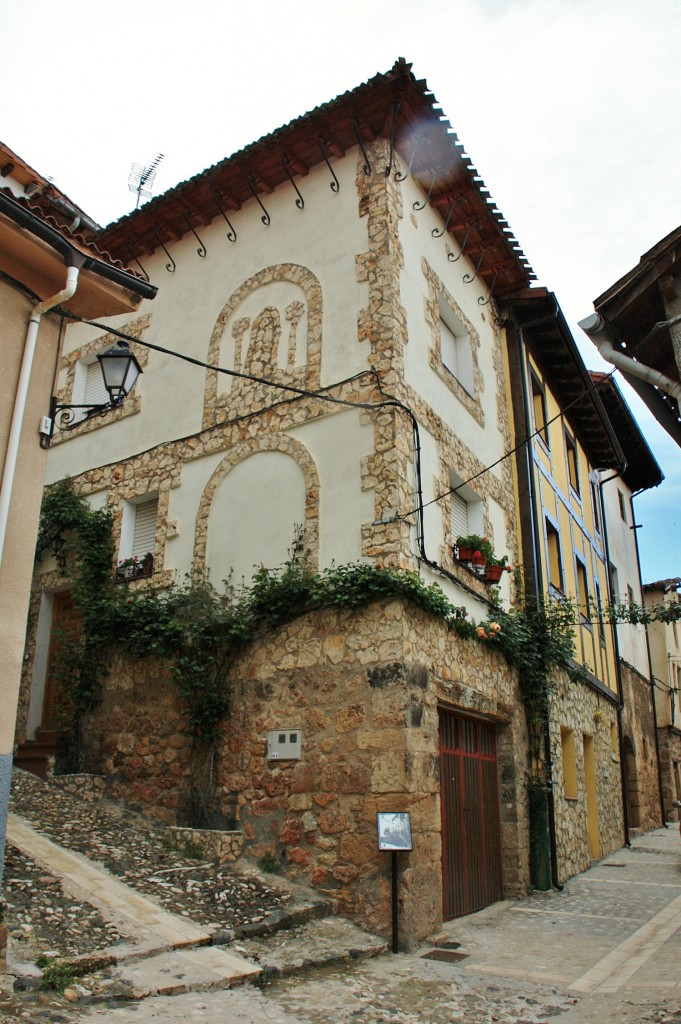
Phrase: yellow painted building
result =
(564, 441)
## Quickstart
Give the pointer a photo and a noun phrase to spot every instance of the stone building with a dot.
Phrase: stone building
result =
(44, 263)
(665, 648)
(344, 289)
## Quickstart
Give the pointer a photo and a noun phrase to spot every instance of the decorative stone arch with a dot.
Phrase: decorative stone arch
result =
(267, 443)
(306, 376)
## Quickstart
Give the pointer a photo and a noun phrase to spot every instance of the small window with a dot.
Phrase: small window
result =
(569, 759)
(630, 596)
(466, 508)
(614, 583)
(459, 516)
(599, 607)
(596, 506)
(455, 346)
(623, 506)
(582, 588)
(555, 564)
(572, 464)
(138, 529)
(539, 409)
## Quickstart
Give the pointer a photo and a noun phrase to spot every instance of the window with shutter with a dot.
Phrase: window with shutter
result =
(94, 392)
(448, 348)
(459, 516)
(144, 531)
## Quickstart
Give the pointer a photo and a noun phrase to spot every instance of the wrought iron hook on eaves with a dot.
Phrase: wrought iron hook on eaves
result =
(132, 253)
(335, 184)
(439, 232)
(398, 174)
(231, 234)
(396, 111)
(421, 206)
(286, 163)
(455, 259)
(486, 302)
(469, 278)
(367, 162)
(253, 185)
(201, 249)
(171, 265)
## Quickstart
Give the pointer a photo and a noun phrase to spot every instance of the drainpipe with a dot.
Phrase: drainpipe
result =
(599, 332)
(22, 392)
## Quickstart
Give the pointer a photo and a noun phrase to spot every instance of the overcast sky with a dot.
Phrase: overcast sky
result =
(568, 109)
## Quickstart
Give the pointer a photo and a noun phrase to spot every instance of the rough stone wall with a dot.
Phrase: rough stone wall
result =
(670, 757)
(364, 687)
(586, 711)
(640, 757)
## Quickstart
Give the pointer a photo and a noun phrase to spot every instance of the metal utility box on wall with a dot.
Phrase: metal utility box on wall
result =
(284, 745)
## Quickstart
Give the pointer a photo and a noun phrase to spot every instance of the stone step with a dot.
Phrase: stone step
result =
(33, 755)
(175, 972)
(318, 943)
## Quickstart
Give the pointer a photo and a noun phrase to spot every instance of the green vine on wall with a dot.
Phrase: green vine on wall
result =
(199, 631)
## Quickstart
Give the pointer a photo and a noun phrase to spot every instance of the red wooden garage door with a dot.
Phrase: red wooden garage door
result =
(471, 832)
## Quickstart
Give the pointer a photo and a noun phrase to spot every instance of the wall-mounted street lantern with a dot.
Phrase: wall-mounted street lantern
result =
(120, 371)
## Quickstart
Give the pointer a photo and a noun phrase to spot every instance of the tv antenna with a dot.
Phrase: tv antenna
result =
(141, 178)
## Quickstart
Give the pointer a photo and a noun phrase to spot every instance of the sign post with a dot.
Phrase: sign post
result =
(394, 834)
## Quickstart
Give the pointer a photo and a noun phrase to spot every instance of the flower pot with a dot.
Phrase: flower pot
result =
(465, 554)
(478, 559)
(493, 573)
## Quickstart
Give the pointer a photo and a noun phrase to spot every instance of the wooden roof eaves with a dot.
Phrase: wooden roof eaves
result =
(372, 105)
(651, 266)
(556, 352)
(643, 470)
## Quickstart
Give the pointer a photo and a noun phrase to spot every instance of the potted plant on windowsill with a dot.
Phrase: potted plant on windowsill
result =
(474, 549)
(134, 568)
(496, 568)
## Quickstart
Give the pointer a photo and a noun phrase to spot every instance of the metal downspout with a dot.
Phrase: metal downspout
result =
(22, 393)
(597, 330)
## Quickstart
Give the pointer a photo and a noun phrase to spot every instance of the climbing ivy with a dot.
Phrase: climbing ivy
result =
(199, 631)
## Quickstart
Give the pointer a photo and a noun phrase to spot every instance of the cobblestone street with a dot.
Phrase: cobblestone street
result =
(606, 948)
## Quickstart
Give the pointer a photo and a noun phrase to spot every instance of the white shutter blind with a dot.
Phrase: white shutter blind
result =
(95, 393)
(144, 533)
(448, 349)
(459, 516)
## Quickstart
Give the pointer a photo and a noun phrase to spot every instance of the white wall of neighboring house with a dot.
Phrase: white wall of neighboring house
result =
(631, 639)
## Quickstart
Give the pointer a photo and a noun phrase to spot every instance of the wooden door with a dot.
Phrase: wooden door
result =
(471, 830)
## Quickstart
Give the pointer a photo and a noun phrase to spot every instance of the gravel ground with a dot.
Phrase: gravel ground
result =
(134, 850)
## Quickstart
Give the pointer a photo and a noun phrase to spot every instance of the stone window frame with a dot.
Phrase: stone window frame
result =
(83, 356)
(119, 498)
(239, 453)
(439, 294)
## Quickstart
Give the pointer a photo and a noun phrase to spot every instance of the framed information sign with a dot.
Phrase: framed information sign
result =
(394, 830)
